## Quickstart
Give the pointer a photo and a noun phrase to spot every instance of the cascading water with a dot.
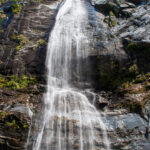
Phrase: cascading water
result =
(69, 119)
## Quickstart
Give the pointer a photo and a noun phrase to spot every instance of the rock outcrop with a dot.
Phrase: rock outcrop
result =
(24, 35)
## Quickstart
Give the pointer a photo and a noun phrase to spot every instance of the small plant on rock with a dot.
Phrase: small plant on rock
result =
(21, 40)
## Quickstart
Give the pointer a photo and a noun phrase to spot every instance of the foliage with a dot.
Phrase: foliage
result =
(132, 46)
(40, 42)
(134, 106)
(2, 115)
(21, 40)
(111, 13)
(2, 81)
(13, 124)
(2, 1)
(113, 23)
(111, 19)
(115, 77)
(110, 6)
(2, 17)
(40, 1)
(106, 20)
(139, 47)
(16, 8)
(14, 82)
(133, 70)
(25, 126)
(11, 120)
(140, 79)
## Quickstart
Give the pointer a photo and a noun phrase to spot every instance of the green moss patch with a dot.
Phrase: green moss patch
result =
(14, 82)
(112, 76)
(16, 7)
(21, 41)
(139, 47)
(13, 124)
(39, 43)
(135, 107)
(14, 121)
(111, 19)
(2, 114)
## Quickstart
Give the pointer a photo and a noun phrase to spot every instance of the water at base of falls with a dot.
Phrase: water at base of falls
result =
(69, 120)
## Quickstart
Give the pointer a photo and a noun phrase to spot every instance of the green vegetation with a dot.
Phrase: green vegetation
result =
(139, 47)
(25, 126)
(40, 1)
(2, 17)
(113, 23)
(2, 81)
(132, 46)
(2, 1)
(111, 19)
(13, 124)
(106, 20)
(2, 114)
(12, 121)
(111, 13)
(110, 6)
(115, 77)
(16, 8)
(14, 82)
(133, 70)
(21, 40)
(140, 79)
(39, 42)
(135, 107)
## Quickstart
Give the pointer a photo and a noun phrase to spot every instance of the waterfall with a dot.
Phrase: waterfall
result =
(70, 121)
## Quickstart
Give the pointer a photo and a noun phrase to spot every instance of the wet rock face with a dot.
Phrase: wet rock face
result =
(7, 8)
(17, 110)
(127, 131)
(123, 42)
(14, 130)
(27, 54)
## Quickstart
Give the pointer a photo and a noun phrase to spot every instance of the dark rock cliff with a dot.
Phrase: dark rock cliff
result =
(24, 34)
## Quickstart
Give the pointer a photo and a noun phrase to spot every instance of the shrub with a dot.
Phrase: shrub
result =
(14, 82)
(133, 70)
(21, 40)
(16, 8)
(13, 124)
(39, 42)
(2, 81)
(132, 46)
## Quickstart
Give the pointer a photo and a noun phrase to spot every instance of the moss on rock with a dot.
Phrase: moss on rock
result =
(112, 75)
(21, 41)
(14, 82)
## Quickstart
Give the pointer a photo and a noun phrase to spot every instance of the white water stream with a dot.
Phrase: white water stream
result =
(70, 121)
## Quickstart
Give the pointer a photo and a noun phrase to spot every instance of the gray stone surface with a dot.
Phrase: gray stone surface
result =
(125, 122)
